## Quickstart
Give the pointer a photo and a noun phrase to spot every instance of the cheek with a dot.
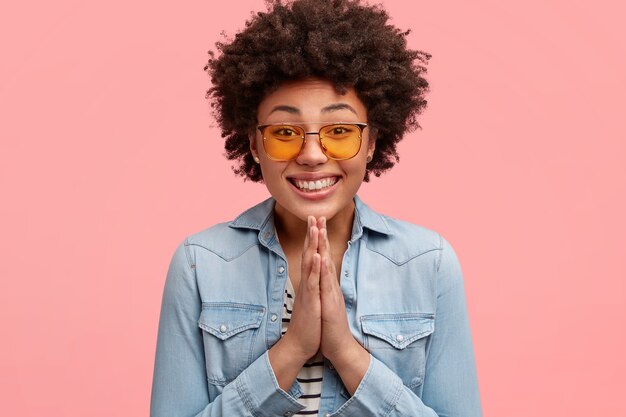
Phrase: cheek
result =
(355, 171)
(272, 174)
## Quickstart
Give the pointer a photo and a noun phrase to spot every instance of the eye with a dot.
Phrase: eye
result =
(285, 131)
(340, 130)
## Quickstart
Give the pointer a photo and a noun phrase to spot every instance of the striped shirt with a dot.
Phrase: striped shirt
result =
(310, 376)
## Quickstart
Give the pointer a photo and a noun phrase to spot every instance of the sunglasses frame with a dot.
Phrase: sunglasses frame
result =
(360, 125)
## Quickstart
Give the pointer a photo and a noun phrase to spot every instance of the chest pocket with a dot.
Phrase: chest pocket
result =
(399, 341)
(229, 332)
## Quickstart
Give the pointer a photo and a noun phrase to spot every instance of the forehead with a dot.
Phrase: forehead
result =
(310, 99)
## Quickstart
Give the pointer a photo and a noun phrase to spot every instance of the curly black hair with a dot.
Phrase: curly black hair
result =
(343, 41)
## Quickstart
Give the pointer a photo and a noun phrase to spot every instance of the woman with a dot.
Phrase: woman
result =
(311, 303)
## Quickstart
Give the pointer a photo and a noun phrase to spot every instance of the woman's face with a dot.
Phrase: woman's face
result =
(307, 103)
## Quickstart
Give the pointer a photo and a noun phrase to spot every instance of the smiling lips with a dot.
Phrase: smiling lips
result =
(314, 185)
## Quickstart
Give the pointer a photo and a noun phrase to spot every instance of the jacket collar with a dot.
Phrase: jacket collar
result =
(369, 219)
(260, 217)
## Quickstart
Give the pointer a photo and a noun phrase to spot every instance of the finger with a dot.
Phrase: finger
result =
(328, 278)
(312, 235)
(330, 291)
(330, 294)
(325, 249)
(315, 238)
(309, 223)
(313, 281)
(324, 278)
(310, 246)
(322, 225)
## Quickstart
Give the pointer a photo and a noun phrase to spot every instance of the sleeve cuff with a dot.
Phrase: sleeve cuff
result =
(258, 388)
(377, 394)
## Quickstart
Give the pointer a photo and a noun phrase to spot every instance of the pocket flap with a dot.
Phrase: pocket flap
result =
(224, 320)
(399, 330)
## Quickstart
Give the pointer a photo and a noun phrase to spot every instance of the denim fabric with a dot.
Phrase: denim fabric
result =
(405, 303)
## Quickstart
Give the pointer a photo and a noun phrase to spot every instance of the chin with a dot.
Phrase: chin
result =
(328, 211)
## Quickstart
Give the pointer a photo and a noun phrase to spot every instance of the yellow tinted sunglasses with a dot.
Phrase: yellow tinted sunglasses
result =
(339, 140)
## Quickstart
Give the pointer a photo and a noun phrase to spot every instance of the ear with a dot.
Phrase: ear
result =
(253, 148)
(371, 146)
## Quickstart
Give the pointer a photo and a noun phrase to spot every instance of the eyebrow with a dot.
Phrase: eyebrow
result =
(328, 109)
(338, 106)
(288, 109)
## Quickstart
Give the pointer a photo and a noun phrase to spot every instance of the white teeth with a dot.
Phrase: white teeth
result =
(315, 185)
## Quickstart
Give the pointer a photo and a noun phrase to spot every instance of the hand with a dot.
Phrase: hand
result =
(338, 345)
(305, 328)
(318, 320)
(336, 335)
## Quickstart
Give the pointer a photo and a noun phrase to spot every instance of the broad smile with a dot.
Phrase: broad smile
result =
(314, 188)
(314, 185)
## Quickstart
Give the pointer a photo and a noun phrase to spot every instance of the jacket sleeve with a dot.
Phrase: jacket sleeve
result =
(450, 384)
(179, 386)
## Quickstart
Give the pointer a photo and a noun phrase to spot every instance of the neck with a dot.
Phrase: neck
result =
(292, 230)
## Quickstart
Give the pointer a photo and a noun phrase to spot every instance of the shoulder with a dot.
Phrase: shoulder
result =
(398, 240)
(228, 240)
(407, 242)
(223, 240)
(404, 241)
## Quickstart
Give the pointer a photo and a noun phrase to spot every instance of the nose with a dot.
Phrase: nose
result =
(311, 153)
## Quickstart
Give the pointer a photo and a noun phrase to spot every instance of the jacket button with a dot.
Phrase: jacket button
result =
(223, 328)
(288, 413)
(274, 317)
(399, 338)
(281, 269)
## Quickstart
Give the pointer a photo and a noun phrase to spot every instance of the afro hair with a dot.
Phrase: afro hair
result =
(346, 42)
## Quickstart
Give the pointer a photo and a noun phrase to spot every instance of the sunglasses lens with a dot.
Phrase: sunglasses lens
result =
(341, 141)
(283, 142)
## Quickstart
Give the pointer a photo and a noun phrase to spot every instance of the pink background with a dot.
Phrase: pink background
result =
(109, 158)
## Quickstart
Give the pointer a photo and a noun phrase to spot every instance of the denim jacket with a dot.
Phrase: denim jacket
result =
(405, 303)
